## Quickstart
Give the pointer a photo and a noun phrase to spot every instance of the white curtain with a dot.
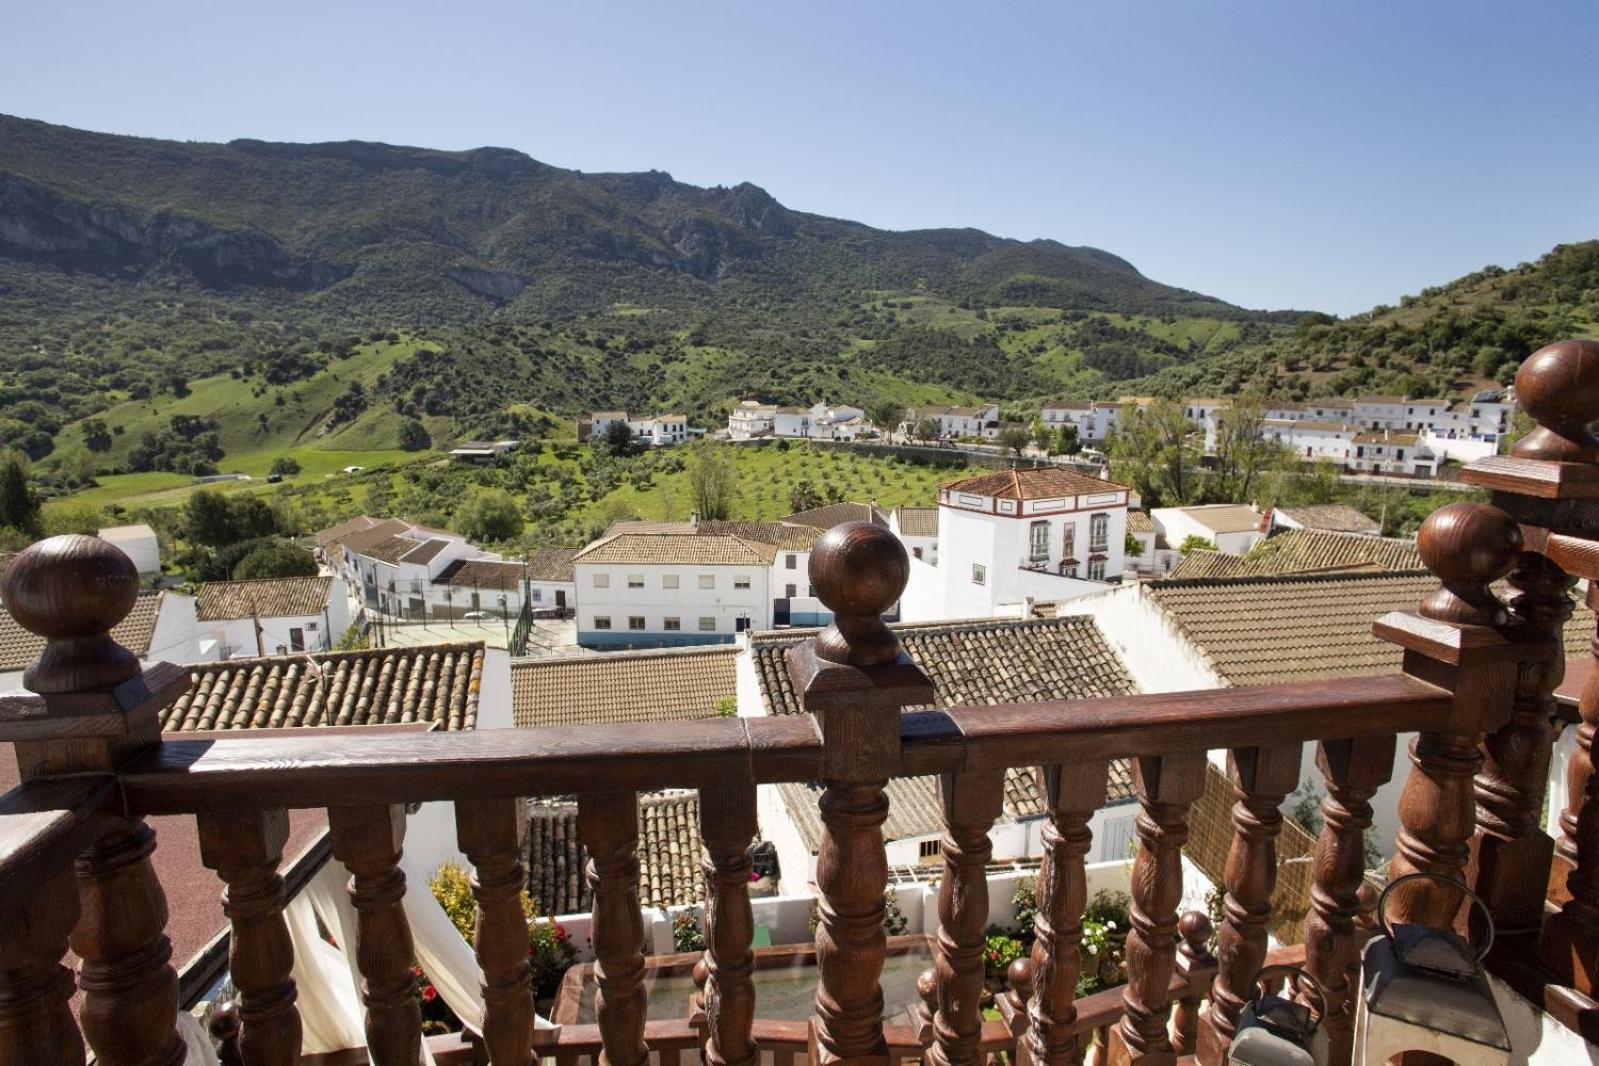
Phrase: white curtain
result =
(196, 1044)
(329, 980)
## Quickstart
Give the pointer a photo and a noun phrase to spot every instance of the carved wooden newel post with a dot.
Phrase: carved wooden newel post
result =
(1451, 642)
(94, 711)
(854, 678)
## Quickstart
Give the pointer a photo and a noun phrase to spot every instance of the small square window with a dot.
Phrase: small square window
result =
(979, 574)
(602, 581)
(602, 621)
(928, 849)
(669, 581)
(791, 561)
(635, 581)
(635, 621)
(741, 582)
(791, 591)
(707, 624)
(707, 581)
(672, 625)
(538, 594)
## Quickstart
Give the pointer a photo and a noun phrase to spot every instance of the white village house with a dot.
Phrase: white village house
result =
(1233, 528)
(139, 543)
(272, 616)
(159, 628)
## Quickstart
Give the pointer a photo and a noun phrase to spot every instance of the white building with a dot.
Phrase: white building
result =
(837, 422)
(654, 431)
(139, 543)
(980, 421)
(1330, 517)
(482, 451)
(1155, 557)
(664, 589)
(1233, 528)
(917, 529)
(1386, 451)
(1045, 533)
(1380, 412)
(160, 628)
(1310, 439)
(272, 616)
(751, 419)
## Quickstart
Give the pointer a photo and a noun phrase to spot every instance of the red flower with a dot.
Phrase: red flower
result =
(416, 971)
(429, 994)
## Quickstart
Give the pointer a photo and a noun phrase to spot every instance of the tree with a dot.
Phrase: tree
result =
(1043, 436)
(887, 416)
(275, 559)
(926, 429)
(1067, 441)
(96, 437)
(712, 479)
(803, 496)
(1155, 451)
(489, 516)
(207, 519)
(285, 466)
(618, 438)
(1014, 439)
(1243, 453)
(19, 504)
(414, 436)
(1193, 541)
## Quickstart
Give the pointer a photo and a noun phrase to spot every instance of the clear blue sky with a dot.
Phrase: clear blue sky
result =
(1275, 153)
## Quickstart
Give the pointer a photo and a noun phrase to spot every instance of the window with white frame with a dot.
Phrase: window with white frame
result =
(1099, 533)
(669, 581)
(741, 581)
(1038, 541)
(1068, 540)
(707, 581)
(602, 621)
(602, 581)
(707, 624)
(979, 574)
(1096, 569)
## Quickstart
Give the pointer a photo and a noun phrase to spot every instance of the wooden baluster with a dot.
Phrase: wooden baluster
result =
(490, 838)
(854, 679)
(36, 1023)
(1469, 546)
(727, 826)
(608, 825)
(1512, 852)
(1072, 794)
(972, 799)
(1262, 778)
(1193, 954)
(1570, 940)
(1167, 785)
(72, 590)
(367, 840)
(244, 848)
(1353, 770)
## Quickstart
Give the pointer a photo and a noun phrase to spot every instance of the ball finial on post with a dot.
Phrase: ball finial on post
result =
(1469, 546)
(859, 570)
(1558, 387)
(72, 590)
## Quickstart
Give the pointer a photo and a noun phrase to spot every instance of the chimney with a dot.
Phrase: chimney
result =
(694, 521)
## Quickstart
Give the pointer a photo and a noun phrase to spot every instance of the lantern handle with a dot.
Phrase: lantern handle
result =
(1304, 976)
(1487, 918)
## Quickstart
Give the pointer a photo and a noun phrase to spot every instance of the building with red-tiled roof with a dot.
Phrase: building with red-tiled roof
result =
(273, 615)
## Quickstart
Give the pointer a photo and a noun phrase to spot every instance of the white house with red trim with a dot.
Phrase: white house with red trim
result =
(1044, 534)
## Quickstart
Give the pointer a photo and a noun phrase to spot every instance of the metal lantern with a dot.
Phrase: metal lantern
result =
(1273, 1030)
(1424, 989)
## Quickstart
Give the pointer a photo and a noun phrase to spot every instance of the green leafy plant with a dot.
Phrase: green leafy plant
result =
(687, 933)
(1000, 949)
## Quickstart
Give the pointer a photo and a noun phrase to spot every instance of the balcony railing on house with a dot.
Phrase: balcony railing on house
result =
(1475, 686)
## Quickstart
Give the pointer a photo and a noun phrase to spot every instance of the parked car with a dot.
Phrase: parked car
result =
(477, 616)
(273, 479)
(354, 469)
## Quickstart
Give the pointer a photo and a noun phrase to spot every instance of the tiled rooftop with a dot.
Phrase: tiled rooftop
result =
(18, 647)
(359, 540)
(646, 686)
(271, 597)
(785, 536)
(833, 514)
(1140, 522)
(971, 663)
(1224, 517)
(435, 683)
(917, 521)
(1334, 517)
(390, 549)
(691, 549)
(1032, 483)
(668, 854)
(425, 552)
(346, 528)
(551, 564)
(1303, 551)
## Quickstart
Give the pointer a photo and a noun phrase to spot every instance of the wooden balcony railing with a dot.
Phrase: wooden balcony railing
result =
(1475, 684)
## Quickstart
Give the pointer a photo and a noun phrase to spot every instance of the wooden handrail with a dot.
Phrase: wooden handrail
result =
(295, 772)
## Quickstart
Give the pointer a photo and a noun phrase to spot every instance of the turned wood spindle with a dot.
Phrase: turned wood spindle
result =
(1072, 794)
(1468, 546)
(1167, 785)
(1571, 937)
(368, 840)
(1262, 778)
(1353, 771)
(73, 590)
(244, 848)
(608, 826)
(971, 799)
(854, 679)
(1512, 851)
(727, 826)
(1194, 929)
(489, 836)
(36, 1023)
